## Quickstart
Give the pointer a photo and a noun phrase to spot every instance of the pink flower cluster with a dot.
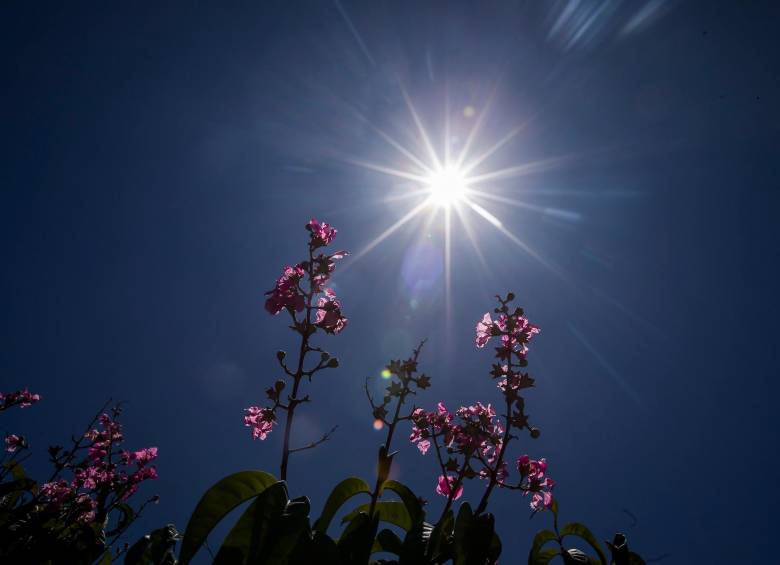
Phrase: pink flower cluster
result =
(261, 420)
(444, 486)
(20, 398)
(108, 473)
(329, 317)
(287, 292)
(321, 233)
(14, 442)
(477, 433)
(536, 483)
(515, 331)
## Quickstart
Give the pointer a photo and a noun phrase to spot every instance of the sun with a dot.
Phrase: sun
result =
(446, 186)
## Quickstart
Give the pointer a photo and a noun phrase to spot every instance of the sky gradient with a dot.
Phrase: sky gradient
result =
(160, 162)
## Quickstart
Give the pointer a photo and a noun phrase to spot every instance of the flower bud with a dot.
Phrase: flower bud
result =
(280, 355)
(535, 433)
(333, 363)
(279, 385)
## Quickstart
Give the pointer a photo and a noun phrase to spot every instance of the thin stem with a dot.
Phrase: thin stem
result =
(391, 428)
(293, 402)
(504, 443)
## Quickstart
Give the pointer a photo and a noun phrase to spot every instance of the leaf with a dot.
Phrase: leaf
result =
(540, 539)
(128, 516)
(154, 548)
(390, 511)
(343, 491)
(579, 530)
(389, 542)
(473, 537)
(218, 501)
(106, 559)
(439, 536)
(249, 538)
(544, 556)
(411, 502)
(358, 539)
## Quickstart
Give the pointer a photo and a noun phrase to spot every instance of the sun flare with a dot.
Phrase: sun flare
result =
(447, 186)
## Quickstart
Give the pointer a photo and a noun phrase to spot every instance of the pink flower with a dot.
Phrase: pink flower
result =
(329, 316)
(22, 398)
(541, 500)
(261, 420)
(423, 446)
(321, 233)
(536, 483)
(142, 456)
(14, 442)
(484, 330)
(57, 492)
(445, 485)
(286, 293)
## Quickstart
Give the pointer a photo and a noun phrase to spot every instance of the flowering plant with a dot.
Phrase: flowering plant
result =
(83, 508)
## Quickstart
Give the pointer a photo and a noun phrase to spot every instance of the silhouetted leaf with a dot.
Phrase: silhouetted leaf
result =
(544, 556)
(540, 539)
(254, 533)
(391, 511)
(343, 491)
(218, 501)
(389, 542)
(155, 548)
(411, 502)
(582, 532)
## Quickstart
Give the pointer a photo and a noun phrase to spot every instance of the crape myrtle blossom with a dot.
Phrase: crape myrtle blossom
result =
(301, 292)
(107, 477)
(536, 483)
(473, 442)
(21, 398)
(14, 442)
(261, 420)
(322, 234)
(472, 432)
(329, 316)
(445, 484)
(286, 293)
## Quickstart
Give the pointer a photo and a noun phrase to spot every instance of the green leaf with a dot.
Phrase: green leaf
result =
(249, 538)
(345, 490)
(580, 531)
(391, 511)
(106, 559)
(411, 502)
(389, 541)
(358, 539)
(439, 536)
(218, 501)
(540, 539)
(473, 537)
(155, 548)
(544, 556)
(128, 516)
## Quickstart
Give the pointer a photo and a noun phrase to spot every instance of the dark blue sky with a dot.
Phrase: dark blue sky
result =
(160, 161)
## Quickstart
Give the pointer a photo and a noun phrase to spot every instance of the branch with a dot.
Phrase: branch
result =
(325, 437)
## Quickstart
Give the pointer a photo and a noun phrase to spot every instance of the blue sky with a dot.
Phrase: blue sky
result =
(160, 161)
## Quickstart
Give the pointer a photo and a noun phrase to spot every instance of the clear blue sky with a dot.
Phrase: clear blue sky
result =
(160, 161)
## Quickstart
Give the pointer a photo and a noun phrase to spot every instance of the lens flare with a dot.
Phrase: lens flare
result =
(386, 374)
(447, 186)
(378, 424)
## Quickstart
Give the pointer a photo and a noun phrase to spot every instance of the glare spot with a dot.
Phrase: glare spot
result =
(469, 111)
(446, 186)
(386, 374)
(378, 425)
